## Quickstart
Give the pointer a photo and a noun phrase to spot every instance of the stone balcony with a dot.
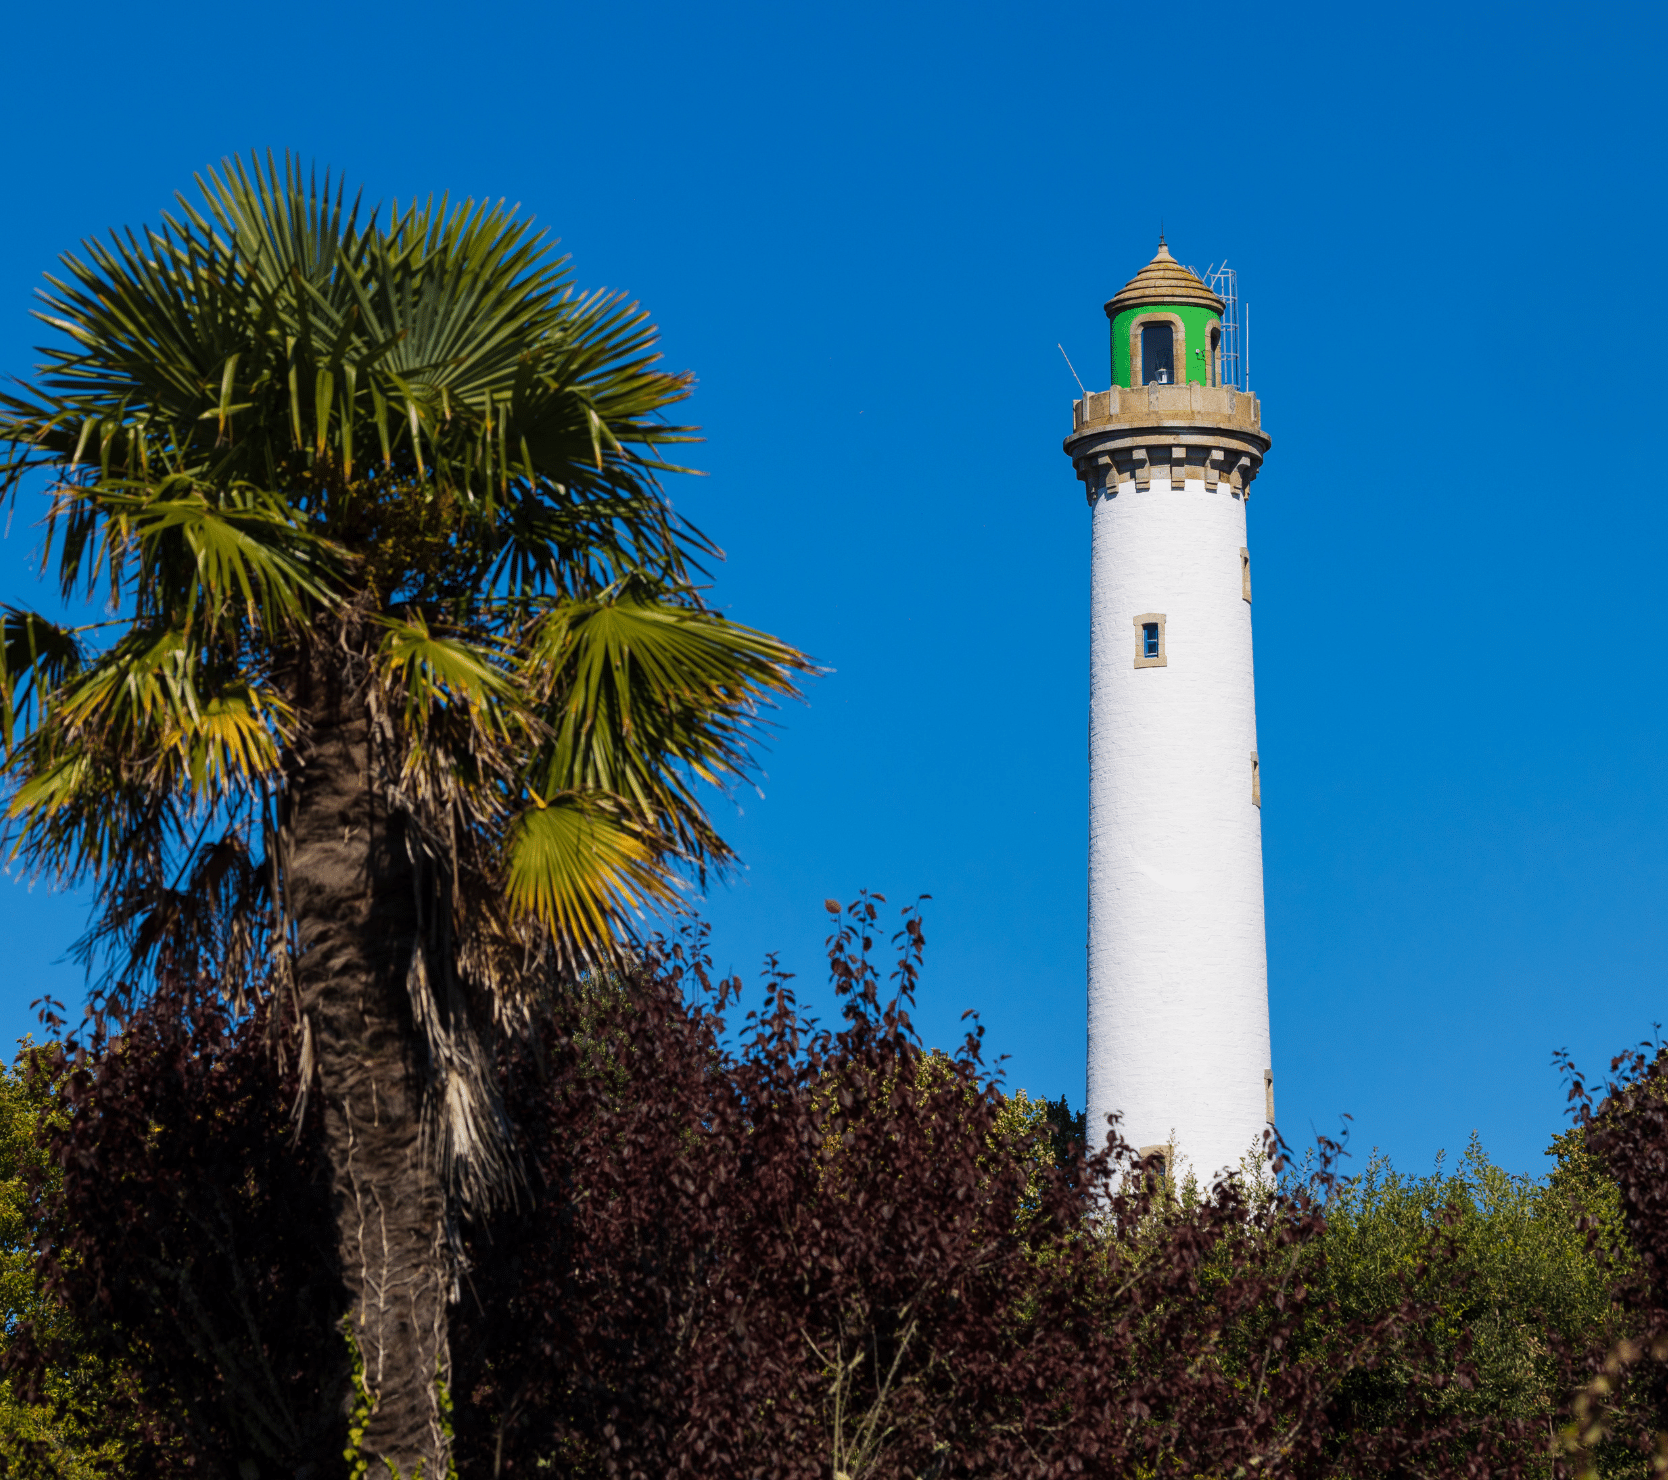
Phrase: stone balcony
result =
(1159, 405)
(1178, 432)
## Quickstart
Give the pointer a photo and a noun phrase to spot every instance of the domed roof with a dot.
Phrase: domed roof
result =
(1163, 280)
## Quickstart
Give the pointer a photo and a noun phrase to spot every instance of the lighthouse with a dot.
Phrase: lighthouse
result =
(1177, 959)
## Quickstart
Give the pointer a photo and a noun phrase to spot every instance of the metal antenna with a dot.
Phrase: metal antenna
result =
(1073, 368)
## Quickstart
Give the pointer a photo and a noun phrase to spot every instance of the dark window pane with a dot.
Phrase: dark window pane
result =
(1149, 638)
(1158, 349)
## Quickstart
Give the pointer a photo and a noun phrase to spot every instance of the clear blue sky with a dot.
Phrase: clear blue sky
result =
(865, 227)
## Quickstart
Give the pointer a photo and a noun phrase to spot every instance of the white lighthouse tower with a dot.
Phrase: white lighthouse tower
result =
(1178, 968)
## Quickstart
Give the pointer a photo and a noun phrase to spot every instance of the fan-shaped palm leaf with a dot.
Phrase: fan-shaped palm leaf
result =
(574, 866)
(644, 695)
(36, 657)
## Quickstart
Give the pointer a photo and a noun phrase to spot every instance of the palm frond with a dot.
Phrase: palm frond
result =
(249, 555)
(208, 920)
(436, 672)
(642, 695)
(36, 656)
(582, 872)
(272, 336)
(148, 711)
(71, 816)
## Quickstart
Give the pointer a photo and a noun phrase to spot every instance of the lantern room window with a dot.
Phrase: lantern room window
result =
(1158, 354)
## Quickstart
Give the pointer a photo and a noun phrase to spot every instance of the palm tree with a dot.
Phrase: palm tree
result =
(403, 690)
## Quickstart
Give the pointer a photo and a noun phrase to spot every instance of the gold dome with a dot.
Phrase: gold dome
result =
(1163, 281)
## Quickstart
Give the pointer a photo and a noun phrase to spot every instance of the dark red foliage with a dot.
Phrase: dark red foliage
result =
(813, 1256)
(806, 1253)
(1629, 1135)
(718, 1237)
(191, 1238)
(1626, 1402)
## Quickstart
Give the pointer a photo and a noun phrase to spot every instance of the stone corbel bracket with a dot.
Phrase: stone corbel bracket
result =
(1176, 432)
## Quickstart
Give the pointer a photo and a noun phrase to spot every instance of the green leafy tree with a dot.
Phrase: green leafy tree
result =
(46, 1431)
(403, 690)
(1066, 1129)
(1511, 1285)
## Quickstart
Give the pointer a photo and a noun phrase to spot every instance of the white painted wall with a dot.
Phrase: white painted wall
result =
(1178, 967)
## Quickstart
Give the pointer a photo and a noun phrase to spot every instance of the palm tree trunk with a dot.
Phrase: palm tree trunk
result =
(351, 889)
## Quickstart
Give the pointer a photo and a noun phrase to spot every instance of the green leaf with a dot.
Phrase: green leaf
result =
(643, 695)
(36, 656)
(432, 671)
(582, 873)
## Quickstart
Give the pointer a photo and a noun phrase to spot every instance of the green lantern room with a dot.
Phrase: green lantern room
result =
(1166, 327)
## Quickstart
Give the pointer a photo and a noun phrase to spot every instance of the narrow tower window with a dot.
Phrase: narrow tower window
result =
(1158, 354)
(1149, 640)
(1216, 357)
(1268, 1095)
(1245, 573)
(1163, 1152)
(1256, 781)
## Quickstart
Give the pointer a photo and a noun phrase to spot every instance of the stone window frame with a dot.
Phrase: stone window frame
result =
(1178, 353)
(1213, 347)
(1164, 1149)
(1256, 780)
(1268, 1095)
(1141, 659)
(1244, 573)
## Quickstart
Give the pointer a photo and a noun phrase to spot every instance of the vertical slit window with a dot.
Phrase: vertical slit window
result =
(1163, 1154)
(1149, 640)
